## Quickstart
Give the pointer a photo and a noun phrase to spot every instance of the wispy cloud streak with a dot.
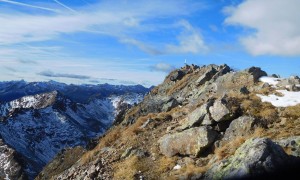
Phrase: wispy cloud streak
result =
(65, 6)
(29, 5)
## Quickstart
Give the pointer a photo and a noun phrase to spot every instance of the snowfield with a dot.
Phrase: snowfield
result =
(289, 98)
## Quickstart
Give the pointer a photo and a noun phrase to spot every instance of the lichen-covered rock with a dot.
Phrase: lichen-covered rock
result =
(242, 126)
(293, 143)
(189, 142)
(255, 157)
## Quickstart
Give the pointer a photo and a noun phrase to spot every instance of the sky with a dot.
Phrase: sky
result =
(141, 41)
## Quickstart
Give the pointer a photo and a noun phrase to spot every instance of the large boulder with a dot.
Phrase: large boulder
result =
(199, 116)
(219, 111)
(256, 157)
(241, 126)
(190, 142)
(257, 73)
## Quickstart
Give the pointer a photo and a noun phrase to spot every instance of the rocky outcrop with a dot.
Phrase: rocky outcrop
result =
(10, 167)
(256, 72)
(195, 125)
(190, 142)
(211, 71)
(177, 75)
(255, 157)
(170, 104)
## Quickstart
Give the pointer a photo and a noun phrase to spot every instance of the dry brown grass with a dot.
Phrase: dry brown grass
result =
(129, 168)
(229, 148)
(292, 112)
(189, 171)
(179, 85)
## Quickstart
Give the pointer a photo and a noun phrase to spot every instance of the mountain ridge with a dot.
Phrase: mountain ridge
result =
(199, 121)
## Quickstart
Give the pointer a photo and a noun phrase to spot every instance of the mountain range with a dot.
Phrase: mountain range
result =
(40, 119)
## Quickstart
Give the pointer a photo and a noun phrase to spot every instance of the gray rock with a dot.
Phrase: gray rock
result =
(241, 127)
(172, 103)
(255, 157)
(206, 76)
(293, 143)
(177, 75)
(219, 111)
(190, 142)
(198, 115)
(257, 73)
(244, 90)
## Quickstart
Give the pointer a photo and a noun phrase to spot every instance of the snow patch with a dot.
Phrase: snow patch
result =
(270, 80)
(289, 98)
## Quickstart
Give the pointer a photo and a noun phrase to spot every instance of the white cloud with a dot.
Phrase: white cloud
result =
(190, 41)
(114, 18)
(276, 26)
(163, 67)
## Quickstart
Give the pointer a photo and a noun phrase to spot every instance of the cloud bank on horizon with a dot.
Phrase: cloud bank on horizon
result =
(90, 41)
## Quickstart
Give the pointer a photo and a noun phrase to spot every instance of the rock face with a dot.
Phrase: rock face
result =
(254, 158)
(10, 168)
(189, 142)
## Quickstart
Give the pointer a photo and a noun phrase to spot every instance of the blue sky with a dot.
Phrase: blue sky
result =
(140, 41)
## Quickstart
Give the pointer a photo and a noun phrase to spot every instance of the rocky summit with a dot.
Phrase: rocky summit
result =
(208, 122)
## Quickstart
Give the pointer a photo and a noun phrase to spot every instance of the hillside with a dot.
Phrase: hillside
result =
(204, 122)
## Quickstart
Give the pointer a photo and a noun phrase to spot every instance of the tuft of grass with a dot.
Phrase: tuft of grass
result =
(229, 148)
(292, 112)
(128, 168)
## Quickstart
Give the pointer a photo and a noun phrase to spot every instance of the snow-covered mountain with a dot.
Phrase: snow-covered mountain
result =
(38, 126)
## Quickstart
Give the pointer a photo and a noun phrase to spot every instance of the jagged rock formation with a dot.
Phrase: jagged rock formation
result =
(200, 123)
(39, 126)
(10, 167)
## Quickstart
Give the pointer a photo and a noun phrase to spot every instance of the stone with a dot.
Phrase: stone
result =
(196, 117)
(257, 73)
(149, 120)
(219, 111)
(256, 157)
(293, 143)
(244, 90)
(191, 142)
(206, 76)
(172, 103)
(241, 126)
(177, 75)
